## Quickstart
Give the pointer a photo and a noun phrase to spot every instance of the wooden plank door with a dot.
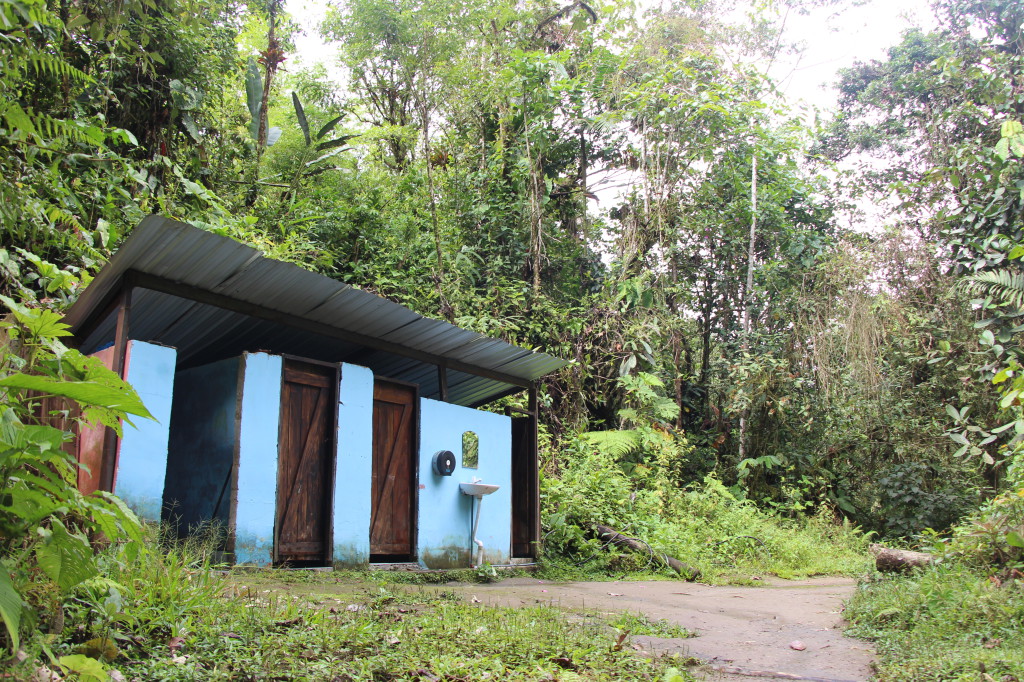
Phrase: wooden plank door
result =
(392, 497)
(305, 464)
(525, 495)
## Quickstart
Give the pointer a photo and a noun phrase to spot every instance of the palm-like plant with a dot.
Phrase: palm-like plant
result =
(1004, 286)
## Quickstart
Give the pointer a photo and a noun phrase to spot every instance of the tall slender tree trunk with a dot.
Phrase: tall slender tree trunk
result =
(584, 163)
(536, 219)
(748, 291)
(750, 245)
(271, 59)
(446, 309)
(707, 314)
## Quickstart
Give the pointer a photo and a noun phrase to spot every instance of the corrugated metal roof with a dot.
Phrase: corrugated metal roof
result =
(385, 336)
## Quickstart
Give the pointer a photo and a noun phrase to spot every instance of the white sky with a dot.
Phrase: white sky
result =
(835, 38)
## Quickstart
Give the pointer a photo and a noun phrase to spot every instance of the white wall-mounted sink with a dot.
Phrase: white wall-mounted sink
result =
(477, 489)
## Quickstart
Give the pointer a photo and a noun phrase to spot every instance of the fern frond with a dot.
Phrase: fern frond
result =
(615, 442)
(56, 214)
(17, 120)
(47, 65)
(1004, 286)
(65, 131)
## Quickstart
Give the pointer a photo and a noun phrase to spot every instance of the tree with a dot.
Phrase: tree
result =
(941, 114)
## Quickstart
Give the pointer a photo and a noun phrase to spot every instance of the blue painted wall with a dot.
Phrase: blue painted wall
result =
(142, 458)
(354, 467)
(445, 523)
(203, 445)
(257, 459)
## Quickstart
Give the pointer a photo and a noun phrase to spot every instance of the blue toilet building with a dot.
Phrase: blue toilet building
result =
(303, 415)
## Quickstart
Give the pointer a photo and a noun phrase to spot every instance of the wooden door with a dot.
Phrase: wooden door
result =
(392, 497)
(525, 497)
(305, 465)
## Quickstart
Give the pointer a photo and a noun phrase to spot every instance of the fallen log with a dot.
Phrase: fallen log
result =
(613, 536)
(888, 560)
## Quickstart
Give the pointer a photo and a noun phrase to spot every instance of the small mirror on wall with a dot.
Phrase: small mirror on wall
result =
(470, 450)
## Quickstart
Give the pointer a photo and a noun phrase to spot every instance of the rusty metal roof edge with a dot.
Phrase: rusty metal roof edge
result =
(150, 231)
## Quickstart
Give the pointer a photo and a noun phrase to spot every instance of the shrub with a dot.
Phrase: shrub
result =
(45, 522)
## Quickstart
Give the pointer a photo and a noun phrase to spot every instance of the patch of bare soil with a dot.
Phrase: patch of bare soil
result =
(742, 632)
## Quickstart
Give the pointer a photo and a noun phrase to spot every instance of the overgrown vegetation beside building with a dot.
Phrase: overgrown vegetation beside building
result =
(961, 616)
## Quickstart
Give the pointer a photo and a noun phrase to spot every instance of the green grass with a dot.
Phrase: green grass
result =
(299, 577)
(729, 540)
(731, 543)
(173, 618)
(946, 622)
(639, 624)
(388, 640)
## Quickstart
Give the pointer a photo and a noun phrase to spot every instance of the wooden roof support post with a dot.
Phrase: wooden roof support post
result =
(121, 331)
(442, 382)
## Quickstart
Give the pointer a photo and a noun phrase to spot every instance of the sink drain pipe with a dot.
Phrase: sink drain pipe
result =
(476, 524)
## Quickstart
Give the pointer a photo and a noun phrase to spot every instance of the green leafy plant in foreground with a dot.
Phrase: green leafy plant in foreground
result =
(46, 524)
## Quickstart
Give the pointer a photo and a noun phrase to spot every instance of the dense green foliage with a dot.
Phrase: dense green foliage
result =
(946, 109)
(704, 525)
(961, 616)
(948, 623)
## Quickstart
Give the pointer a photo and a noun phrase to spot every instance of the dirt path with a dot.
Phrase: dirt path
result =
(743, 633)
